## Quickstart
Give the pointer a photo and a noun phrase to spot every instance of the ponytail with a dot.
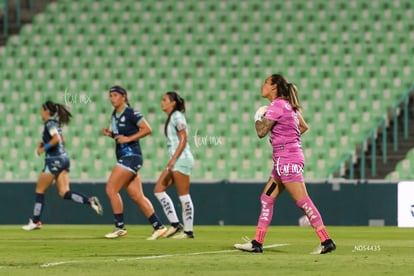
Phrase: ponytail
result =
(58, 111)
(286, 90)
(293, 96)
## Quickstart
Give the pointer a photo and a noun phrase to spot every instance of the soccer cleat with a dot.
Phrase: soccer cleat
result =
(32, 226)
(118, 232)
(325, 247)
(184, 235)
(160, 232)
(174, 230)
(251, 246)
(96, 206)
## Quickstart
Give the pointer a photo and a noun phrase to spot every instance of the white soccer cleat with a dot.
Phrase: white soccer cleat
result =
(118, 232)
(160, 232)
(32, 226)
(251, 246)
(174, 230)
(184, 235)
(96, 206)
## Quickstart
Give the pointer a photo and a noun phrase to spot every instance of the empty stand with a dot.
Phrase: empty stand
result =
(349, 60)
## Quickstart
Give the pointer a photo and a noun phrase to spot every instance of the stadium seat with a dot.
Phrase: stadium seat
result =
(217, 56)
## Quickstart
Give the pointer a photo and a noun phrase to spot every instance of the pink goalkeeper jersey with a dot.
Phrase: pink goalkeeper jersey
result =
(286, 130)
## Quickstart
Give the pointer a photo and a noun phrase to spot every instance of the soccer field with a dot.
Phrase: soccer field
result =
(82, 250)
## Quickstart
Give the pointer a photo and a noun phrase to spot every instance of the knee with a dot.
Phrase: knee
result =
(110, 190)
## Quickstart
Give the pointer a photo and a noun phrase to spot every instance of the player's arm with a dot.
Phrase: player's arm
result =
(55, 140)
(106, 132)
(182, 142)
(303, 126)
(263, 127)
(45, 147)
(144, 130)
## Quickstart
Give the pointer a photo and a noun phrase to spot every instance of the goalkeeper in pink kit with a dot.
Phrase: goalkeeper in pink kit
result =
(285, 124)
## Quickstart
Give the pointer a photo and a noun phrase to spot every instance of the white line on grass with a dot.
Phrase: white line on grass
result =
(59, 263)
(190, 254)
(161, 256)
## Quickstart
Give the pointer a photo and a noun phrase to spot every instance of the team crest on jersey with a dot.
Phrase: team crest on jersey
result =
(122, 119)
(288, 107)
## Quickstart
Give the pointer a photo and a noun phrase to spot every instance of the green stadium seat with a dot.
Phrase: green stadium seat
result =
(218, 54)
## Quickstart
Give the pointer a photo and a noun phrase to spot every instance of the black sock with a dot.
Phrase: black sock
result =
(119, 220)
(76, 197)
(256, 243)
(155, 221)
(38, 207)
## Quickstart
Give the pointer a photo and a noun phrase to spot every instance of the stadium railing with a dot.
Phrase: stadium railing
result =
(15, 8)
(339, 168)
(402, 102)
(349, 159)
(5, 13)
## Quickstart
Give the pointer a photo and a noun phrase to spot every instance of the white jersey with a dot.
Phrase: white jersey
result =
(177, 123)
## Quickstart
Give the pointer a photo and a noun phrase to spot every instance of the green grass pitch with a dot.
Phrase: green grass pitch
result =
(82, 250)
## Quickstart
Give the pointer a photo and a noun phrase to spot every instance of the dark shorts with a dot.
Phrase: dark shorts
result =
(131, 163)
(55, 165)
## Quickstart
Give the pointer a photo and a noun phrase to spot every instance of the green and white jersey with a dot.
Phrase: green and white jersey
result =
(177, 123)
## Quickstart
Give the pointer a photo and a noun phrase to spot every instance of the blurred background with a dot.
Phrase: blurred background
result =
(351, 61)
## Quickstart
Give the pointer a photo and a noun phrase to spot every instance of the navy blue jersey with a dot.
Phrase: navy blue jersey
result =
(51, 128)
(126, 123)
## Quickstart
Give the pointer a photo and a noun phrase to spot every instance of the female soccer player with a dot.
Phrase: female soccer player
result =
(178, 168)
(128, 126)
(57, 164)
(285, 124)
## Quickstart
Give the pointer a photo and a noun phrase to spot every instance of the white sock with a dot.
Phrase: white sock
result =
(187, 212)
(167, 206)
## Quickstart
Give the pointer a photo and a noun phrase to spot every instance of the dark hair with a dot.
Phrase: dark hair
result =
(58, 111)
(287, 90)
(119, 89)
(179, 105)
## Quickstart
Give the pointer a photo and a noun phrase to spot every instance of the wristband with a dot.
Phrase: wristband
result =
(47, 146)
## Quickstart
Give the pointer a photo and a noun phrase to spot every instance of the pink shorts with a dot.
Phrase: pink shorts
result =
(288, 163)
